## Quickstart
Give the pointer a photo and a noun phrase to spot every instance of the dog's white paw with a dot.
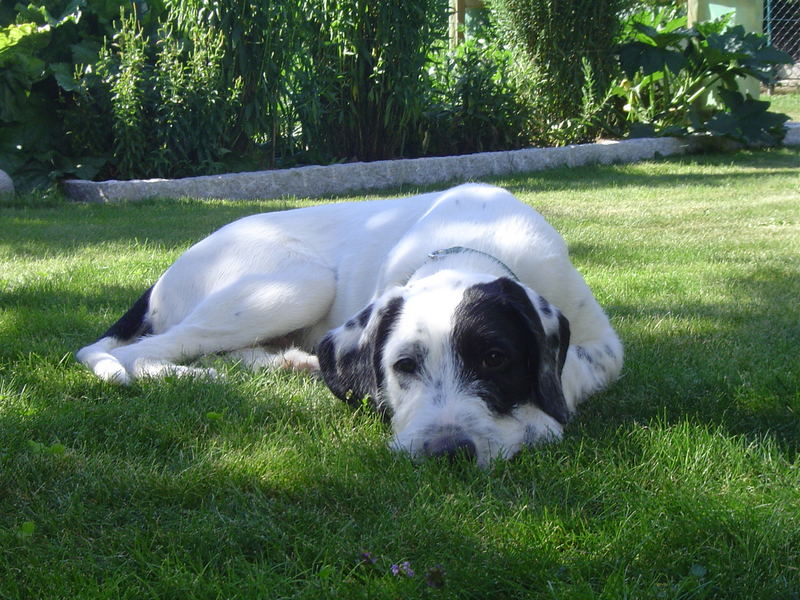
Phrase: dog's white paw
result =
(109, 369)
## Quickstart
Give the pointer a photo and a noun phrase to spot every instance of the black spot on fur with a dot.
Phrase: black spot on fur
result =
(545, 306)
(132, 324)
(562, 342)
(362, 318)
(387, 318)
(357, 372)
(497, 318)
(349, 376)
(583, 354)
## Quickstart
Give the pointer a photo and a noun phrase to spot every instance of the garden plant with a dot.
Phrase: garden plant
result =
(680, 80)
(175, 88)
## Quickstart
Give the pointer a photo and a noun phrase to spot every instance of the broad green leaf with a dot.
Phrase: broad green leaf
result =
(16, 40)
(63, 75)
(636, 56)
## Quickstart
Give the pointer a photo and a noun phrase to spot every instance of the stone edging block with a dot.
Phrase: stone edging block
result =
(6, 185)
(792, 135)
(319, 181)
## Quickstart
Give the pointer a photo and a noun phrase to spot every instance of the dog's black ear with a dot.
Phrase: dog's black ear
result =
(547, 362)
(351, 357)
(552, 356)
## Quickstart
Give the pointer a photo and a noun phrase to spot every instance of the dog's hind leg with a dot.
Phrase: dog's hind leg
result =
(131, 325)
(252, 310)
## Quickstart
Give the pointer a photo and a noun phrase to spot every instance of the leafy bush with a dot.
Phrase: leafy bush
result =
(361, 78)
(175, 87)
(260, 44)
(562, 40)
(679, 80)
(476, 103)
(43, 133)
(171, 109)
(30, 144)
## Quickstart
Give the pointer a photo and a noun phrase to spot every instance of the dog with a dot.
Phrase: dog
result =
(457, 315)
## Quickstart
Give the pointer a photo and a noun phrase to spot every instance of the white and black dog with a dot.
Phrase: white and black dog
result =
(457, 313)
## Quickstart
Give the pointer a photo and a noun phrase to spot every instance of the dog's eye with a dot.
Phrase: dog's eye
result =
(408, 366)
(494, 360)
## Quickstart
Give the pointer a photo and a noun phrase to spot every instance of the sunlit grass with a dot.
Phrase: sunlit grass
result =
(786, 101)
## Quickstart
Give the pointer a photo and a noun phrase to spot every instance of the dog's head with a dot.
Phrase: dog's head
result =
(459, 363)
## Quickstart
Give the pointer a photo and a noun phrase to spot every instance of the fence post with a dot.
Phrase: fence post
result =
(458, 10)
(747, 13)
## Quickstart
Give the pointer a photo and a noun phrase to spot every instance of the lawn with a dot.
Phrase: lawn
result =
(786, 101)
(680, 481)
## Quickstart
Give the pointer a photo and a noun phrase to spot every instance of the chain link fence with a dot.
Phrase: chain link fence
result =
(782, 26)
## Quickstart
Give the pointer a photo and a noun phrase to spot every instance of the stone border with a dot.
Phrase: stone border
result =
(331, 180)
(6, 185)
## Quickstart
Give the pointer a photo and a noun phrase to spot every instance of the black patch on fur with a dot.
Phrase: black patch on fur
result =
(132, 324)
(545, 306)
(562, 341)
(499, 316)
(583, 354)
(361, 319)
(387, 317)
(358, 373)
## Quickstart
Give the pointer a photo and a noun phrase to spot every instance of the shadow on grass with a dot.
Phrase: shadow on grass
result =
(738, 368)
(46, 319)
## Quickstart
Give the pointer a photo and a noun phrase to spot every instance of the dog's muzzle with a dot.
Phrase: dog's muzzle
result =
(450, 443)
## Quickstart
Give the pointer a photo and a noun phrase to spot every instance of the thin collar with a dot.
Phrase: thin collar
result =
(438, 254)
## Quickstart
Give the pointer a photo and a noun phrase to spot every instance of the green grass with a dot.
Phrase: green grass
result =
(681, 481)
(785, 101)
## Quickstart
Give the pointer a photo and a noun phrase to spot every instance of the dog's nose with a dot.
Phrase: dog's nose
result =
(450, 447)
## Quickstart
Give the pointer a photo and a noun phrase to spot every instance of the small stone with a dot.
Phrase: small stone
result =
(6, 186)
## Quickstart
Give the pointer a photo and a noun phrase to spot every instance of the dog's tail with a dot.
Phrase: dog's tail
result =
(132, 325)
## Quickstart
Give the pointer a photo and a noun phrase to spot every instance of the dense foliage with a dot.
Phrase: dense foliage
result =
(561, 41)
(178, 87)
(37, 56)
(477, 101)
(115, 89)
(362, 86)
(171, 105)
